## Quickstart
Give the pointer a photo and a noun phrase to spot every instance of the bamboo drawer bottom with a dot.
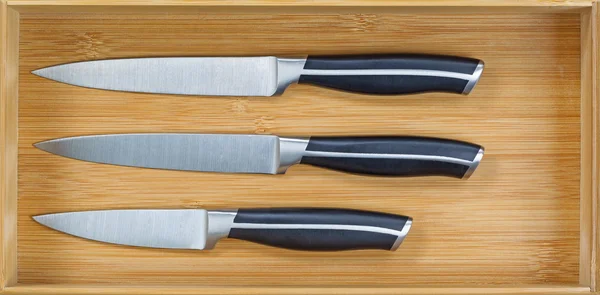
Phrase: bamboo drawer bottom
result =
(521, 224)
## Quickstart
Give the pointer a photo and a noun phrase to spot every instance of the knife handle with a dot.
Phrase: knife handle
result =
(320, 229)
(393, 74)
(385, 156)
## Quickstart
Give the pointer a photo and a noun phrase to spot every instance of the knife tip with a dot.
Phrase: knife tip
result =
(45, 146)
(37, 72)
(43, 219)
(43, 72)
(39, 145)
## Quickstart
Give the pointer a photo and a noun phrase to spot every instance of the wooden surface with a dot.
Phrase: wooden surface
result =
(588, 134)
(595, 126)
(179, 290)
(323, 3)
(9, 56)
(3, 97)
(429, 3)
(300, 6)
(515, 222)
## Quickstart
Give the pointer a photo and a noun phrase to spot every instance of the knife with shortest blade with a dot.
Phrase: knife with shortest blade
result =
(312, 229)
(237, 153)
(270, 75)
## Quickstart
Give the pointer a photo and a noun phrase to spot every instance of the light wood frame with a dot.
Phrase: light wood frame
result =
(590, 125)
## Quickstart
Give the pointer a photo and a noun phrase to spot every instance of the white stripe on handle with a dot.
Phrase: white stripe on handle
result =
(365, 228)
(387, 72)
(387, 156)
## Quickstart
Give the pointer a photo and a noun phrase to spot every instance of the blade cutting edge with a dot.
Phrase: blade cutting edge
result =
(232, 76)
(189, 152)
(175, 229)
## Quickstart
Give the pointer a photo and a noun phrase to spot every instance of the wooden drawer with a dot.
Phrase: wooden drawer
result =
(525, 223)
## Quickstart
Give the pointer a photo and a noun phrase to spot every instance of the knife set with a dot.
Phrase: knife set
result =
(322, 229)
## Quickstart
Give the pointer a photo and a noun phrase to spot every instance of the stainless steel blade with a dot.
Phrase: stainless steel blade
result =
(176, 229)
(190, 152)
(234, 76)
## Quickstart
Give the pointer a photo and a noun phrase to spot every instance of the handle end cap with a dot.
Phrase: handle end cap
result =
(474, 78)
(474, 164)
(402, 234)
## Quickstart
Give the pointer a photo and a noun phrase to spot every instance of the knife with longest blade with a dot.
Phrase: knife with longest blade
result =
(270, 75)
(315, 229)
(237, 153)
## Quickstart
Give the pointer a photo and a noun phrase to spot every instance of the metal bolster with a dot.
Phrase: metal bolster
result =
(219, 225)
(291, 151)
(288, 72)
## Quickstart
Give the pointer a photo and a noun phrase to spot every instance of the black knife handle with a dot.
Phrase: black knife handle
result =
(394, 156)
(393, 74)
(320, 229)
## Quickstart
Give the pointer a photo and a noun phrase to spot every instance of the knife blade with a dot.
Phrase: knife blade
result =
(270, 75)
(240, 153)
(313, 229)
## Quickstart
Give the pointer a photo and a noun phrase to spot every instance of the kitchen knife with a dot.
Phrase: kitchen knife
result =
(314, 229)
(391, 156)
(269, 75)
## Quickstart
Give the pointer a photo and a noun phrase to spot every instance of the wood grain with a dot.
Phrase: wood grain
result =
(515, 222)
(430, 3)
(301, 7)
(587, 200)
(114, 290)
(595, 126)
(9, 56)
